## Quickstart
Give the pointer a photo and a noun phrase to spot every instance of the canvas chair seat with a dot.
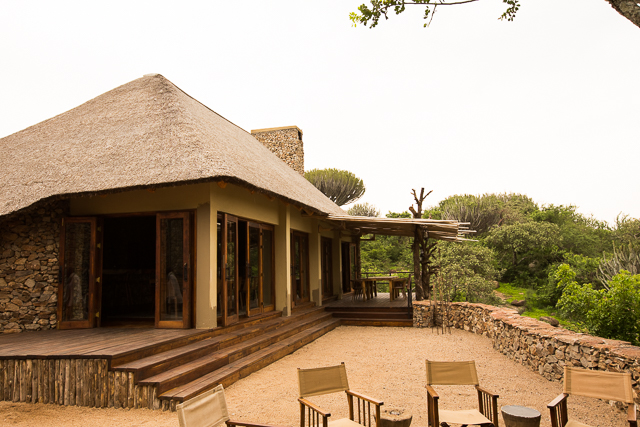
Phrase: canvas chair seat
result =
(344, 422)
(572, 423)
(467, 417)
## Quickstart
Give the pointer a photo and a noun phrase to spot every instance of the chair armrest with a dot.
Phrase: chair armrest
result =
(432, 393)
(558, 410)
(313, 407)
(312, 415)
(363, 397)
(487, 392)
(360, 409)
(245, 424)
(433, 417)
(555, 402)
(488, 404)
(632, 415)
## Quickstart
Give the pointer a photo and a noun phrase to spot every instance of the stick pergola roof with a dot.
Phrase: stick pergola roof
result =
(448, 230)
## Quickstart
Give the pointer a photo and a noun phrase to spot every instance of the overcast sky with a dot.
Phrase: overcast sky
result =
(547, 105)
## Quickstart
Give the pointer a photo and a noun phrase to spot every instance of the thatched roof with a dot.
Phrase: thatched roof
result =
(146, 133)
(448, 230)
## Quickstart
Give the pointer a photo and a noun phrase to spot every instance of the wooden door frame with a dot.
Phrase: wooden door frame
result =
(95, 273)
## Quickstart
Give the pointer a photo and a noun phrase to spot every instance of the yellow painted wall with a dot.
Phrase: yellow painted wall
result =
(162, 199)
(207, 200)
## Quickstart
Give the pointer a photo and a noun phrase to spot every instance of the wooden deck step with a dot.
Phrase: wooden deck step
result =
(250, 363)
(351, 314)
(162, 362)
(403, 323)
(191, 370)
(145, 351)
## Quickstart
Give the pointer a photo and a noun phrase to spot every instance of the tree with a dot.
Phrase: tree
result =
(488, 210)
(364, 209)
(467, 270)
(371, 14)
(341, 186)
(525, 248)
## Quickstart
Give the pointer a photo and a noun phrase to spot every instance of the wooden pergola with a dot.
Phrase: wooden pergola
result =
(447, 230)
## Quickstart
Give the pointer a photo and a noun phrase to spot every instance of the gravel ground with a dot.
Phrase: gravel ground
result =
(385, 363)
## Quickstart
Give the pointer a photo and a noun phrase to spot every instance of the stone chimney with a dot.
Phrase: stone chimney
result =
(286, 143)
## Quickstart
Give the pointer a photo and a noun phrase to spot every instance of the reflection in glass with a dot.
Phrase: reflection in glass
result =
(171, 268)
(230, 270)
(219, 284)
(254, 267)
(76, 271)
(267, 267)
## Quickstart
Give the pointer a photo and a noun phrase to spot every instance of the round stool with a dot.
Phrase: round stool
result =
(392, 417)
(520, 416)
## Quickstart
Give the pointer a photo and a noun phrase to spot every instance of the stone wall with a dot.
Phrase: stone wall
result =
(286, 143)
(530, 342)
(29, 243)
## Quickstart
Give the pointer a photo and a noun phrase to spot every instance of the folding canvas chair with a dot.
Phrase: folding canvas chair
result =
(598, 384)
(459, 373)
(332, 379)
(208, 410)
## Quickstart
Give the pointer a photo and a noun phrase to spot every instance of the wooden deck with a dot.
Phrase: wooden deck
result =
(382, 300)
(377, 311)
(99, 343)
(147, 368)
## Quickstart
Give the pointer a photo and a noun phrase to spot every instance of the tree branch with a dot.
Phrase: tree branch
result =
(630, 9)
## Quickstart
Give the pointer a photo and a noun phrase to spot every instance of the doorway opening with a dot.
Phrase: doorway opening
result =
(129, 271)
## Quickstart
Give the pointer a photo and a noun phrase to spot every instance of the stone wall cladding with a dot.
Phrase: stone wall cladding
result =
(286, 144)
(29, 244)
(536, 344)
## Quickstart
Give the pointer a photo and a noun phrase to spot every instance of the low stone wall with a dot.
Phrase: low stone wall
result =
(530, 342)
(29, 244)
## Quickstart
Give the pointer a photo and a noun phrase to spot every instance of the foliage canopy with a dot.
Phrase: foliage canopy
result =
(341, 186)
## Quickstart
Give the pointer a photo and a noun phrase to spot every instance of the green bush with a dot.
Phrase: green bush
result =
(608, 313)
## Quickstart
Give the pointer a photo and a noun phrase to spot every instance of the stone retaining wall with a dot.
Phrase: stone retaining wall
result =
(29, 244)
(530, 342)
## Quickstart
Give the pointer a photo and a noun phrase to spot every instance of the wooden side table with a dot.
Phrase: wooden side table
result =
(520, 416)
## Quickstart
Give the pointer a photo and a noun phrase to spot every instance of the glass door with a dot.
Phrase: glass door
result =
(230, 279)
(299, 268)
(326, 267)
(80, 273)
(173, 270)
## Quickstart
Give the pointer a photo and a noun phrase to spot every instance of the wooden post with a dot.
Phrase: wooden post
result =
(130, 395)
(111, 389)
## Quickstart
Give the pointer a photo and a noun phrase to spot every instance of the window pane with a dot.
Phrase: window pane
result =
(77, 258)
(267, 267)
(230, 270)
(171, 268)
(254, 267)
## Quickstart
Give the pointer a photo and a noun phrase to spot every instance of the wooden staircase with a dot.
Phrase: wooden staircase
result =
(182, 369)
(372, 316)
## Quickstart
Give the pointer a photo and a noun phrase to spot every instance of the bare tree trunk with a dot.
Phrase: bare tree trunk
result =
(419, 244)
(417, 265)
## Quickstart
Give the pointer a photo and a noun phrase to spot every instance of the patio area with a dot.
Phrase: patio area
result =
(385, 363)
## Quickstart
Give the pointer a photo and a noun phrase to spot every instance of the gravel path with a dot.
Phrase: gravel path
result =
(385, 363)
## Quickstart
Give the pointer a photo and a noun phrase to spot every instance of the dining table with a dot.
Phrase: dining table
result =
(369, 285)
